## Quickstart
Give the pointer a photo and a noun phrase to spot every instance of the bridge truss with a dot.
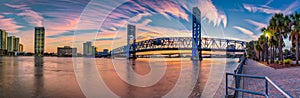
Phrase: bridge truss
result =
(184, 43)
(195, 43)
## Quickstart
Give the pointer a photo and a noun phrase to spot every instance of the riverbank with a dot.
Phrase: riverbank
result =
(286, 78)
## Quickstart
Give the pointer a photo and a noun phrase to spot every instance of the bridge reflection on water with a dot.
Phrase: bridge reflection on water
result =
(55, 78)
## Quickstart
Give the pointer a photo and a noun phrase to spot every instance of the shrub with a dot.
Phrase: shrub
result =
(276, 62)
(287, 61)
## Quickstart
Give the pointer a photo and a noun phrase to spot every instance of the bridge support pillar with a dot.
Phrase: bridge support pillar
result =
(131, 42)
(196, 30)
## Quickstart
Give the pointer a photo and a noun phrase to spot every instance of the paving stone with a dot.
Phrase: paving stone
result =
(287, 78)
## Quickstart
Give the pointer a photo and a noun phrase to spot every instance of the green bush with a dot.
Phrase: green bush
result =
(287, 61)
(276, 62)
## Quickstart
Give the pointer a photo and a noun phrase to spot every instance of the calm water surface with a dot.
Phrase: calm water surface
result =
(53, 77)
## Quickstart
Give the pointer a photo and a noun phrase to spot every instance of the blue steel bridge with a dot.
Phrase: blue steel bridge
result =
(183, 43)
(196, 43)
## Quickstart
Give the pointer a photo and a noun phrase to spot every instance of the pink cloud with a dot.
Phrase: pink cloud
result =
(258, 24)
(60, 27)
(139, 16)
(15, 6)
(246, 31)
(34, 18)
(168, 7)
(9, 24)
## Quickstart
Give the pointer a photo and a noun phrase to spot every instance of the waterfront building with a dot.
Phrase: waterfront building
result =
(3, 42)
(16, 44)
(66, 51)
(10, 43)
(105, 52)
(21, 47)
(93, 50)
(39, 41)
(88, 49)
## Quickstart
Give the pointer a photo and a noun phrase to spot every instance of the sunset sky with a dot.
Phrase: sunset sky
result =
(72, 22)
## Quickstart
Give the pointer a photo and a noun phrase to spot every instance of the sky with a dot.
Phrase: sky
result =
(104, 22)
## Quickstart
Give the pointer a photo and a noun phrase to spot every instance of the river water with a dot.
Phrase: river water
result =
(54, 77)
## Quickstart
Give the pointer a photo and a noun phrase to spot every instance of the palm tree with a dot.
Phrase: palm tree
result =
(272, 42)
(262, 43)
(266, 33)
(280, 24)
(258, 48)
(294, 34)
(250, 46)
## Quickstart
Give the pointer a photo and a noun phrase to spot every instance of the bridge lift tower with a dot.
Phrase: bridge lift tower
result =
(196, 30)
(131, 42)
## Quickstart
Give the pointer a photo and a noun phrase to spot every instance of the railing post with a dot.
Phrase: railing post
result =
(226, 85)
(236, 85)
(267, 87)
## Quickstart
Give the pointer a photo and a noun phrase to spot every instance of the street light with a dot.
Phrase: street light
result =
(267, 50)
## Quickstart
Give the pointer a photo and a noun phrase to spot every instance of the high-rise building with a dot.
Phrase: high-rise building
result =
(3, 42)
(66, 51)
(88, 49)
(21, 47)
(39, 41)
(10, 43)
(16, 44)
(93, 50)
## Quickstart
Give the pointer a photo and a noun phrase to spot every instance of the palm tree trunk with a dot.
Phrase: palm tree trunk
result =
(271, 53)
(259, 55)
(274, 53)
(280, 48)
(263, 56)
(267, 53)
(297, 49)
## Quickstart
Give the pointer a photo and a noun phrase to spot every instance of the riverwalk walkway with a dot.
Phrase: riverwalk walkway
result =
(287, 78)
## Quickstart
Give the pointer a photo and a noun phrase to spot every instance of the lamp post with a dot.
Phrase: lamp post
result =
(267, 50)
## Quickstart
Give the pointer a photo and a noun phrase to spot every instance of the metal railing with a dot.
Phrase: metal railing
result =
(237, 76)
(267, 81)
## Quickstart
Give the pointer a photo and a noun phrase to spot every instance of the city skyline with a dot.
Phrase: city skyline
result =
(9, 44)
(238, 20)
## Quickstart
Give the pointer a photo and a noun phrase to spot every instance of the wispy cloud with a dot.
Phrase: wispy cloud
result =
(32, 17)
(259, 25)
(252, 8)
(210, 12)
(139, 17)
(9, 24)
(106, 39)
(15, 6)
(268, 10)
(292, 7)
(270, 1)
(246, 31)
(167, 8)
